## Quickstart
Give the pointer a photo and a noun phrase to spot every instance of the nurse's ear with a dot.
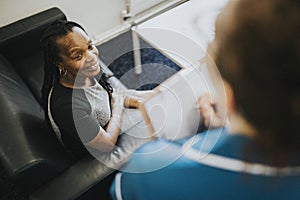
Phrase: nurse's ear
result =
(230, 99)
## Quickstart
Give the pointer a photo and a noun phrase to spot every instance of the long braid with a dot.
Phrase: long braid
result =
(103, 81)
(50, 70)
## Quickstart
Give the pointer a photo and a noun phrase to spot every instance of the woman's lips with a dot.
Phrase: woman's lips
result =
(92, 68)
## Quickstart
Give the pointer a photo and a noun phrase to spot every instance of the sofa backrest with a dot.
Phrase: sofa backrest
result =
(20, 44)
(29, 150)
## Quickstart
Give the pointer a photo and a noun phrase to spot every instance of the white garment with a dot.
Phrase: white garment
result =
(99, 101)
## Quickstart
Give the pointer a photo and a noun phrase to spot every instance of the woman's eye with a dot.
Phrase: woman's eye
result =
(91, 46)
(78, 56)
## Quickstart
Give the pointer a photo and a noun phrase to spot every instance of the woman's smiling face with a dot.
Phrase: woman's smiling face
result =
(79, 55)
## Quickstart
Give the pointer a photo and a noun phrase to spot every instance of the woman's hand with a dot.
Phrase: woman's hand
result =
(133, 98)
(132, 101)
(107, 138)
(209, 112)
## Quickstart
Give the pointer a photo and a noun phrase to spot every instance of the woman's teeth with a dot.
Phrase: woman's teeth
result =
(93, 67)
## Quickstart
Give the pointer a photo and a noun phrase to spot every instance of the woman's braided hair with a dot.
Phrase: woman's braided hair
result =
(58, 29)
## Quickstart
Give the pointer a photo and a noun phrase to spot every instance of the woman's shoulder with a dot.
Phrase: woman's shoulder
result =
(67, 97)
(60, 90)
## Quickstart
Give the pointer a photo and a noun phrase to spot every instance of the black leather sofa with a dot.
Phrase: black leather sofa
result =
(31, 156)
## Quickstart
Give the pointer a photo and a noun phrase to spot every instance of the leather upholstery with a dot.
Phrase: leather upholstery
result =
(29, 150)
(20, 44)
(27, 145)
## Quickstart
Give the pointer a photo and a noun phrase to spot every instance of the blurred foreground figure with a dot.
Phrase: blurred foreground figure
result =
(257, 51)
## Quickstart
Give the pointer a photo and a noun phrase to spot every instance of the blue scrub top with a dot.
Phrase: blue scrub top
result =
(162, 170)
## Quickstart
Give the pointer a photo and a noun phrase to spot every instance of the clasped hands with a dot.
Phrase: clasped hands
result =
(126, 99)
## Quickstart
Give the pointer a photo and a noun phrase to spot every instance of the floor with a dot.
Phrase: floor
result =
(117, 54)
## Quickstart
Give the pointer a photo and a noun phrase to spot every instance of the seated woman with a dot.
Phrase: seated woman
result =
(257, 50)
(83, 108)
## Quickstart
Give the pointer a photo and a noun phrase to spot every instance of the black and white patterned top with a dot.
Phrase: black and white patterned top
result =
(99, 101)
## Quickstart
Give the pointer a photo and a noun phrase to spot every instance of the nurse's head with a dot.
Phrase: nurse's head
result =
(257, 50)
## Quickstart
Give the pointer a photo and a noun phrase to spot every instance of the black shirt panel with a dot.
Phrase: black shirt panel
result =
(71, 112)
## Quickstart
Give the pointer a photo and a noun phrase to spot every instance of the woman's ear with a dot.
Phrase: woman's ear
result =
(59, 66)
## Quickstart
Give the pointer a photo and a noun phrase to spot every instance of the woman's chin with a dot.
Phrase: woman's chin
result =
(92, 73)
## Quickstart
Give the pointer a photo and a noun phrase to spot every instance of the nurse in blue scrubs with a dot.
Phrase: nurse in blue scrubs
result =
(257, 156)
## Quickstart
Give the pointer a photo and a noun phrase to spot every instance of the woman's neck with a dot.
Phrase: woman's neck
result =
(77, 82)
(239, 125)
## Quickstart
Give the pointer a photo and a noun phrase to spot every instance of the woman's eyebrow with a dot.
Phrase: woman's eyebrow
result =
(74, 49)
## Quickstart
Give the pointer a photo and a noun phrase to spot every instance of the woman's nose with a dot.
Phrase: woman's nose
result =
(91, 57)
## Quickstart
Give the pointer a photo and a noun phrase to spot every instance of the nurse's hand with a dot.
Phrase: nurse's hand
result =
(210, 114)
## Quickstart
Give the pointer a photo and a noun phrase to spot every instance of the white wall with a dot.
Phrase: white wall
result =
(96, 16)
(140, 5)
(191, 25)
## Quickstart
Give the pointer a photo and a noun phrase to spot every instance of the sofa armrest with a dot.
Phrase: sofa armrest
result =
(75, 181)
(29, 152)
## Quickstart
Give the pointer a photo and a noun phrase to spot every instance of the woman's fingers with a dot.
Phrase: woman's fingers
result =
(132, 101)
